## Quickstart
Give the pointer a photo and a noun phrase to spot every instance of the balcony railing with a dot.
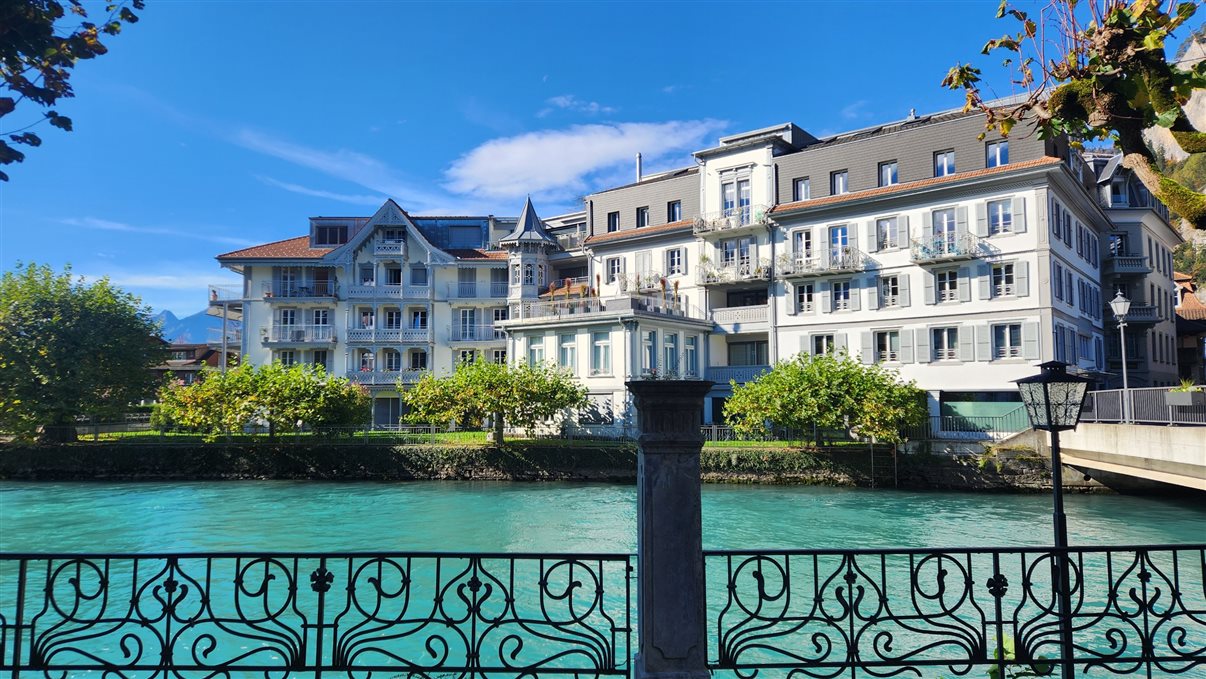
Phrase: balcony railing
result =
(299, 290)
(723, 374)
(388, 291)
(1146, 405)
(648, 281)
(1126, 264)
(1143, 313)
(822, 262)
(569, 241)
(234, 337)
(226, 293)
(475, 333)
(737, 271)
(369, 376)
(389, 247)
(381, 335)
(297, 334)
(739, 314)
(574, 308)
(947, 248)
(476, 290)
(732, 219)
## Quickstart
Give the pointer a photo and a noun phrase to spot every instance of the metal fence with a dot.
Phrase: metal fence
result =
(1148, 405)
(300, 615)
(947, 612)
(970, 427)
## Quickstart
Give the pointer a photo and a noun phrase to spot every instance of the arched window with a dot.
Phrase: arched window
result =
(367, 360)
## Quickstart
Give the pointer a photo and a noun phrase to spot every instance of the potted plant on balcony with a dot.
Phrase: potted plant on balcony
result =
(1188, 394)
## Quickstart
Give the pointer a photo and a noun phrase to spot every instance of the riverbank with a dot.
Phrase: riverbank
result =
(847, 466)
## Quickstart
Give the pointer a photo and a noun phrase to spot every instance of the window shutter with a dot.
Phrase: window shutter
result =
(985, 278)
(822, 299)
(839, 342)
(902, 230)
(924, 353)
(1030, 341)
(872, 236)
(852, 235)
(789, 298)
(805, 345)
(1021, 278)
(868, 353)
(644, 262)
(906, 346)
(966, 343)
(873, 294)
(965, 284)
(929, 286)
(1019, 215)
(856, 294)
(961, 219)
(983, 342)
(903, 297)
(982, 219)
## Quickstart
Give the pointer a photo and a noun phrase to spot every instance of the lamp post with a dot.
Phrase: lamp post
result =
(1053, 400)
(1121, 305)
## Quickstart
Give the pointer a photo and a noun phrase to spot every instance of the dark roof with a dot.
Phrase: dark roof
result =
(475, 253)
(529, 228)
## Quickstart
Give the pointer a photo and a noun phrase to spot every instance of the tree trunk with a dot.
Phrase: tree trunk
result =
(498, 428)
(1187, 203)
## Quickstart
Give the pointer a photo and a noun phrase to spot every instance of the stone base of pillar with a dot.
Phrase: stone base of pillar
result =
(639, 672)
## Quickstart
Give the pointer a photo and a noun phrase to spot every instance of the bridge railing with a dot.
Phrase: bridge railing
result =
(1148, 405)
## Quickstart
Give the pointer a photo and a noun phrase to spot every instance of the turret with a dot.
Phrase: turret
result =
(528, 248)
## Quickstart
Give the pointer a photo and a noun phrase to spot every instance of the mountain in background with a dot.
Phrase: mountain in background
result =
(192, 329)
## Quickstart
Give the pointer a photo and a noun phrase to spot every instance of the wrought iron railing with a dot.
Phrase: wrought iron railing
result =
(969, 427)
(956, 612)
(278, 615)
(946, 247)
(1148, 405)
(733, 218)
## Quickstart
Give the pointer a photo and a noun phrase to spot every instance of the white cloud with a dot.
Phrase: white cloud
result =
(560, 164)
(569, 102)
(855, 110)
(195, 234)
(355, 199)
(166, 288)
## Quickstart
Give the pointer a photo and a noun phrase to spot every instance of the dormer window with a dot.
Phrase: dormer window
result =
(329, 236)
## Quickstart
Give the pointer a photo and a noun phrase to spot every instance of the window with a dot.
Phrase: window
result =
(600, 355)
(418, 360)
(613, 221)
(889, 291)
(801, 244)
(393, 360)
(393, 275)
(945, 343)
(801, 189)
(1002, 280)
(535, 350)
(748, 353)
(500, 314)
(734, 249)
(691, 356)
(839, 182)
(997, 153)
(368, 361)
(1007, 341)
(944, 163)
(670, 353)
(418, 275)
(330, 235)
(887, 346)
(367, 319)
(514, 274)
(947, 285)
(418, 319)
(887, 173)
(286, 357)
(319, 358)
(841, 296)
(674, 211)
(367, 274)
(822, 344)
(498, 356)
(674, 262)
(465, 236)
(1000, 217)
(615, 268)
(649, 351)
(804, 298)
(529, 274)
(393, 319)
(466, 356)
(886, 236)
(567, 352)
(288, 316)
(642, 216)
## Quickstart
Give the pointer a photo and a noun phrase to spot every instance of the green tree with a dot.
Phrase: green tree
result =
(70, 348)
(1190, 258)
(829, 391)
(1104, 79)
(40, 42)
(521, 396)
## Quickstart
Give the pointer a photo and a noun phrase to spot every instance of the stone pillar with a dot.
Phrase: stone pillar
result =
(671, 612)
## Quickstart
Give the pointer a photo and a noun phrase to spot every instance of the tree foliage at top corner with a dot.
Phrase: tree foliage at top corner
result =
(1097, 71)
(40, 43)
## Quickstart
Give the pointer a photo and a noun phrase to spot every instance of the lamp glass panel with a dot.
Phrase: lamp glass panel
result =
(1035, 399)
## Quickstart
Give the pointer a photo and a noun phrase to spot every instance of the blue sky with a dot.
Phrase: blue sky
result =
(214, 125)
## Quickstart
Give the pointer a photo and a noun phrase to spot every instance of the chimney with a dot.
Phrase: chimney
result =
(638, 167)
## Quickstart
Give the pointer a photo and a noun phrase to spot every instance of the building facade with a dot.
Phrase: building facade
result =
(959, 261)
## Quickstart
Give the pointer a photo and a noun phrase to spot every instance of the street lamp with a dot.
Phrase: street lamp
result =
(1053, 400)
(1121, 305)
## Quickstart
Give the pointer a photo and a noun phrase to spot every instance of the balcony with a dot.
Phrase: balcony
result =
(723, 374)
(475, 333)
(297, 291)
(234, 338)
(389, 246)
(297, 334)
(477, 290)
(384, 377)
(649, 281)
(225, 294)
(1129, 265)
(370, 291)
(1141, 314)
(569, 241)
(739, 315)
(573, 309)
(733, 221)
(947, 248)
(389, 335)
(823, 263)
(735, 272)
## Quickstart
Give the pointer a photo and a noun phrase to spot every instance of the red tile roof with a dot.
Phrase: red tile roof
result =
(913, 186)
(473, 253)
(1191, 307)
(292, 248)
(634, 233)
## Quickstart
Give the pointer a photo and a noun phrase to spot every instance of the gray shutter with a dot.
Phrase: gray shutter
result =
(983, 342)
(1019, 215)
(922, 343)
(872, 234)
(961, 219)
(839, 342)
(982, 219)
(906, 346)
(1021, 278)
(856, 295)
(805, 345)
(903, 297)
(822, 297)
(789, 298)
(902, 230)
(644, 262)
(965, 284)
(852, 235)
(1030, 341)
(985, 280)
(966, 343)
(873, 294)
(868, 353)
(929, 286)
(684, 260)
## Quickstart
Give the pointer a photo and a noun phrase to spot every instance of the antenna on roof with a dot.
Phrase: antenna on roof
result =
(638, 167)
(912, 114)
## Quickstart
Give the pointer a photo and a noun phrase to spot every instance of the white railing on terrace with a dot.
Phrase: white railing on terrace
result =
(556, 308)
(226, 293)
(389, 291)
(740, 314)
(723, 374)
(574, 307)
(359, 335)
(476, 289)
(734, 272)
(234, 337)
(299, 289)
(1148, 405)
(946, 247)
(731, 219)
(298, 333)
(386, 377)
(388, 247)
(475, 333)
(821, 262)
